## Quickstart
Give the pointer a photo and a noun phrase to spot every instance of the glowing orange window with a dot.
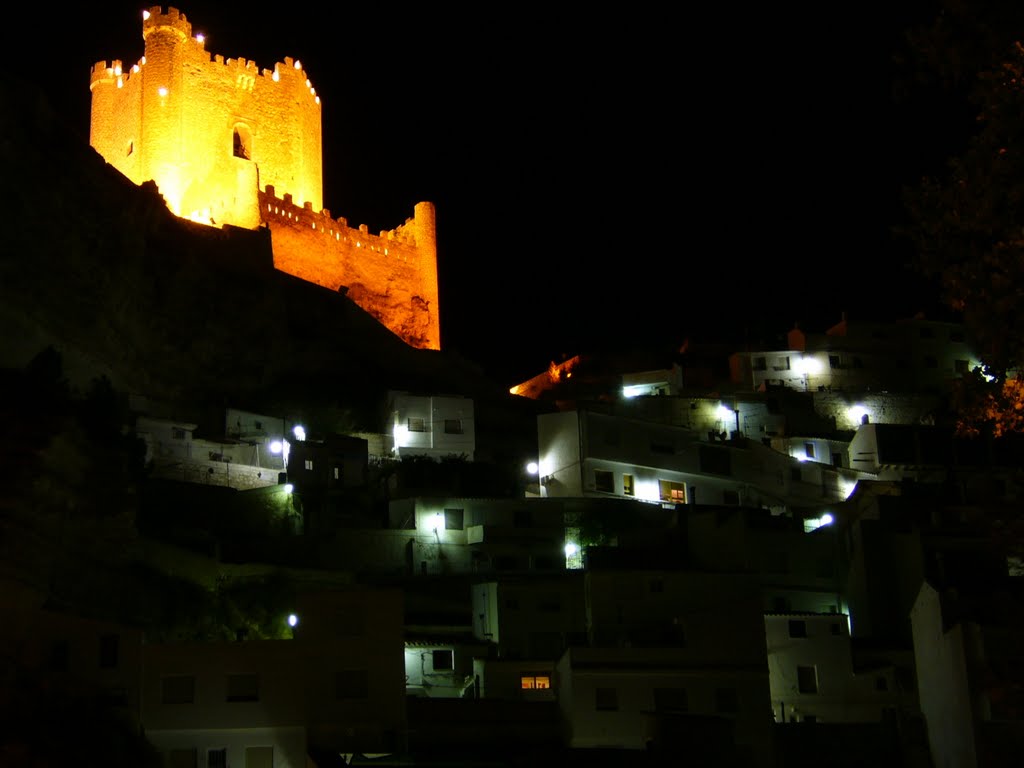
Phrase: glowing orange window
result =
(534, 682)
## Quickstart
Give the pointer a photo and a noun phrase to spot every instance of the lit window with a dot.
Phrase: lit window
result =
(674, 492)
(627, 485)
(308, 464)
(534, 682)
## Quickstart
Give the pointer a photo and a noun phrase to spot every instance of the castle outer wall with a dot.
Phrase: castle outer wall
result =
(212, 133)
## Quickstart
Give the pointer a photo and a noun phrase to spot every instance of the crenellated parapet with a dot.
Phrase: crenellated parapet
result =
(392, 275)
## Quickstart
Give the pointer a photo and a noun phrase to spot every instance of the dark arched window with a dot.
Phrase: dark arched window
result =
(242, 142)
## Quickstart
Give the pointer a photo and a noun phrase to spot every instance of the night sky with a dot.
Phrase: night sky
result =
(603, 179)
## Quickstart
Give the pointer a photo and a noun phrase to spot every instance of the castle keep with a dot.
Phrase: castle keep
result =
(228, 143)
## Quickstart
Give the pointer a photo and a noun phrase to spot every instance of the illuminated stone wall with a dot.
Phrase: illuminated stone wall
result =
(212, 133)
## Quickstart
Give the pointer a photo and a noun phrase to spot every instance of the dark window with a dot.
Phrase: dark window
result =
(837, 459)
(177, 433)
(240, 143)
(836, 629)
(881, 684)
(797, 628)
(453, 426)
(809, 450)
(352, 684)
(807, 679)
(416, 425)
(604, 481)
(960, 366)
(606, 699)
(178, 689)
(760, 364)
(108, 651)
(794, 473)
(217, 758)
(453, 519)
(512, 603)
(656, 585)
(727, 701)
(834, 361)
(243, 688)
(731, 498)
(443, 660)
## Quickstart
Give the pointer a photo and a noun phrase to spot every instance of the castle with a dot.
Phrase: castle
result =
(230, 144)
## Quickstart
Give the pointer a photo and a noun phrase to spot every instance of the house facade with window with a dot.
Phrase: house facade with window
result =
(437, 426)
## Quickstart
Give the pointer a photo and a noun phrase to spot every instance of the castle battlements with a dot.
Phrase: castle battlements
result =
(230, 144)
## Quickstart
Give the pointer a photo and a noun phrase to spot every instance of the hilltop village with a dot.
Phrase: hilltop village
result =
(255, 519)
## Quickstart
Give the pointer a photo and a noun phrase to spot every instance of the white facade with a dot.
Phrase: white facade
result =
(810, 664)
(437, 426)
(584, 453)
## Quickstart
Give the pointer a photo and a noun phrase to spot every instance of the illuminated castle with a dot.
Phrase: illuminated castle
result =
(227, 143)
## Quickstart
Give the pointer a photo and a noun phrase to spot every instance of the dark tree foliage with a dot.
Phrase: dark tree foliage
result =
(966, 221)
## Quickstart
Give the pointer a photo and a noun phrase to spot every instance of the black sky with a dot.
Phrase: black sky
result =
(603, 178)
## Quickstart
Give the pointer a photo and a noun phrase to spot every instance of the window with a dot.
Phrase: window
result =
(182, 758)
(834, 361)
(178, 689)
(606, 699)
(627, 485)
(352, 684)
(259, 757)
(177, 433)
(731, 498)
(960, 366)
(443, 660)
(881, 684)
(727, 701)
(797, 628)
(108, 651)
(242, 143)
(243, 688)
(837, 459)
(794, 474)
(656, 585)
(532, 682)
(780, 364)
(337, 474)
(809, 450)
(835, 628)
(674, 492)
(671, 700)
(604, 481)
(512, 603)
(217, 758)
(131, 148)
(453, 426)
(416, 425)
(453, 519)
(807, 679)
(308, 464)
(760, 364)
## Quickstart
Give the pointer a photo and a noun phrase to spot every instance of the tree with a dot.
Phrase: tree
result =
(966, 223)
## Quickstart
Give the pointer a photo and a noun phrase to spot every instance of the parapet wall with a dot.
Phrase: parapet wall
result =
(391, 275)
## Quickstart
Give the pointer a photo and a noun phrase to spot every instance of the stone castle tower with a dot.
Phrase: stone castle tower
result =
(227, 143)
